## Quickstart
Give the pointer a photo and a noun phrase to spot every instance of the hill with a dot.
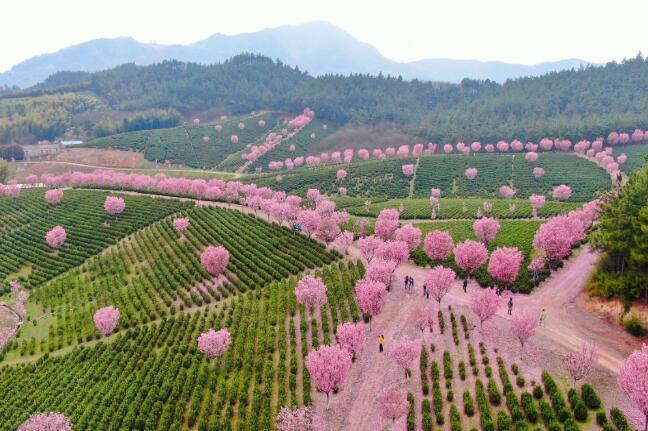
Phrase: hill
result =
(317, 47)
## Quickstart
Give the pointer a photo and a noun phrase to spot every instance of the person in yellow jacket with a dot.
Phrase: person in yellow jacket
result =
(381, 343)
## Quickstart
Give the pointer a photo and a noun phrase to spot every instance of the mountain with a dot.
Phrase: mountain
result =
(317, 47)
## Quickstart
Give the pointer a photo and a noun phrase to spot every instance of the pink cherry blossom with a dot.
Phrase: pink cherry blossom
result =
(105, 319)
(470, 255)
(214, 259)
(562, 192)
(381, 271)
(56, 237)
(114, 205)
(328, 368)
(471, 173)
(504, 264)
(448, 148)
(484, 303)
(368, 246)
(486, 229)
(408, 170)
(392, 403)
(341, 174)
(181, 224)
(404, 352)
(351, 336)
(538, 172)
(46, 422)
(398, 251)
(370, 296)
(54, 196)
(214, 343)
(489, 148)
(633, 380)
(423, 317)
(579, 364)
(234, 139)
(438, 245)
(300, 419)
(523, 325)
(410, 235)
(531, 156)
(506, 192)
(439, 281)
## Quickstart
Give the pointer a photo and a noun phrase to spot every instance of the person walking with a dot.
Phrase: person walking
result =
(510, 306)
(381, 342)
(406, 282)
(411, 283)
(465, 285)
(543, 318)
(425, 293)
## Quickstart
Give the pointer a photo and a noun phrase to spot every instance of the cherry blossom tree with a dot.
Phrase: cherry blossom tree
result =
(537, 264)
(408, 170)
(404, 352)
(56, 237)
(351, 336)
(633, 380)
(341, 174)
(486, 229)
(46, 422)
(438, 245)
(439, 282)
(299, 419)
(214, 343)
(361, 225)
(368, 246)
(234, 139)
(311, 292)
(398, 251)
(181, 224)
(214, 259)
(114, 205)
(562, 192)
(392, 403)
(409, 235)
(423, 317)
(309, 221)
(538, 172)
(470, 255)
(381, 271)
(6, 335)
(484, 303)
(537, 202)
(328, 367)
(370, 296)
(471, 173)
(386, 223)
(556, 237)
(504, 264)
(54, 196)
(579, 364)
(506, 192)
(523, 325)
(105, 319)
(531, 156)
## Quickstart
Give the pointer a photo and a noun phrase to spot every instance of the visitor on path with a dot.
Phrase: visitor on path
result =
(424, 289)
(406, 282)
(411, 283)
(510, 306)
(543, 318)
(381, 342)
(465, 285)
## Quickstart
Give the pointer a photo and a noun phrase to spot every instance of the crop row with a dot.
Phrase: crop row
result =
(24, 253)
(157, 272)
(154, 378)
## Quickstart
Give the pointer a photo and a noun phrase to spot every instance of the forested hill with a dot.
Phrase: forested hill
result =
(572, 104)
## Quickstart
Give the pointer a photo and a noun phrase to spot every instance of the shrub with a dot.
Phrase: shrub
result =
(608, 427)
(462, 370)
(529, 407)
(570, 425)
(520, 381)
(537, 392)
(601, 418)
(494, 395)
(450, 396)
(469, 407)
(427, 415)
(521, 426)
(503, 422)
(590, 397)
(554, 426)
(515, 369)
(455, 419)
(580, 411)
(634, 325)
(619, 420)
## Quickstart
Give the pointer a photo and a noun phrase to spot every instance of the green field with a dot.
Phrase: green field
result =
(447, 172)
(513, 233)
(454, 209)
(636, 156)
(24, 222)
(184, 144)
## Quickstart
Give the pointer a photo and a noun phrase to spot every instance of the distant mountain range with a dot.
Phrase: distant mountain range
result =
(317, 47)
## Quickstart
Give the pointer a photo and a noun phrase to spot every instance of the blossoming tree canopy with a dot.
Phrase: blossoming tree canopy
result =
(633, 380)
(311, 292)
(371, 296)
(105, 320)
(404, 352)
(351, 336)
(54, 196)
(471, 173)
(328, 367)
(523, 325)
(470, 255)
(299, 419)
(486, 229)
(181, 224)
(439, 282)
(504, 264)
(438, 245)
(56, 237)
(484, 303)
(46, 422)
(114, 205)
(393, 403)
(579, 364)
(214, 343)
(214, 259)
(410, 235)
(562, 192)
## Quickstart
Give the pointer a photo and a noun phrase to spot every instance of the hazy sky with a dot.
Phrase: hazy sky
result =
(520, 31)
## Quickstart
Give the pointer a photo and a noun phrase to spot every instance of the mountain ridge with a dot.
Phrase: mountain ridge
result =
(317, 47)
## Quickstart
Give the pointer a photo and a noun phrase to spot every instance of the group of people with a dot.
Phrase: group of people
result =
(409, 283)
(542, 320)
